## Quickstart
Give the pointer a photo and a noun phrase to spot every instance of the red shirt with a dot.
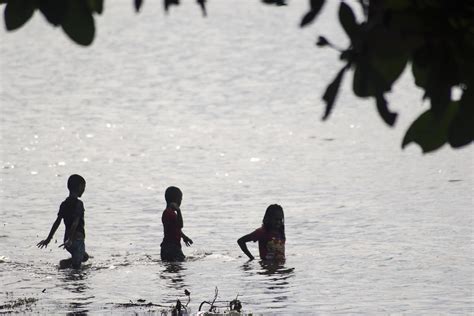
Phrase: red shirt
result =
(172, 231)
(271, 245)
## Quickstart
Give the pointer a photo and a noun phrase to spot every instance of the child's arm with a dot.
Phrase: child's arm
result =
(243, 245)
(72, 234)
(188, 242)
(78, 215)
(44, 243)
(178, 213)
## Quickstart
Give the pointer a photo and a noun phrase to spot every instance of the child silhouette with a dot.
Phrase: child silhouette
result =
(271, 236)
(172, 220)
(72, 212)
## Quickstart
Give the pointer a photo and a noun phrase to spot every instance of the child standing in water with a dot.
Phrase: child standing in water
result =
(72, 212)
(172, 220)
(271, 236)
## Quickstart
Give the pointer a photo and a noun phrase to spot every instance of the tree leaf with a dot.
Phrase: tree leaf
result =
(435, 70)
(96, 5)
(168, 3)
(382, 107)
(316, 6)
(420, 67)
(398, 4)
(138, 5)
(308, 18)
(347, 54)
(202, 4)
(17, 13)
(461, 130)
(439, 93)
(78, 23)
(430, 131)
(322, 41)
(275, 2)
(362, 83)
(373, 75)
(53, 10)
(390, 69)
(348, 20)
(331, 92)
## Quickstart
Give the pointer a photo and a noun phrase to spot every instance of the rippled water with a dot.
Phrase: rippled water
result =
(227, 108)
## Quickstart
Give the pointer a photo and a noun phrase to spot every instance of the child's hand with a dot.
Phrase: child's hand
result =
(67, 244)
(187, 241)
(43, 244)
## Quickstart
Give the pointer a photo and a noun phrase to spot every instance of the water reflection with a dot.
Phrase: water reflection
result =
(276, 279)
(76, 310)
(276, 269)
(172, 274)
(75, 281)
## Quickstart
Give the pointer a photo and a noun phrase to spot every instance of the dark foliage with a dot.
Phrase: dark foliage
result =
(275, 2)
(435, 37)
(138, 5)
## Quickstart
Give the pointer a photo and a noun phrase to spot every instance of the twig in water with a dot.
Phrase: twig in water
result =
(188, 294)
(235, 305)
(215, 297)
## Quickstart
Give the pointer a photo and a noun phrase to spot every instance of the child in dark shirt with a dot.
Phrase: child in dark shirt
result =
(271, 236)
(72, 212)
(172, 220)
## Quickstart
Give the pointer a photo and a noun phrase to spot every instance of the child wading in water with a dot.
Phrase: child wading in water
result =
(72, 212)
(172, 224)
(271, 236)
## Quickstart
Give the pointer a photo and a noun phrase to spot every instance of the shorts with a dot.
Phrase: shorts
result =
(171, 252)
(78, 253)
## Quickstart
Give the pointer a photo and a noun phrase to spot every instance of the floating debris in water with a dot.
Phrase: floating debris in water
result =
(18, 305)
(233, 307)
(150, 307)
(177, 309)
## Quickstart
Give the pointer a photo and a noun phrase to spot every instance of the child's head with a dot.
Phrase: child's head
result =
(173, 195)
(274, 218)
(76, 184)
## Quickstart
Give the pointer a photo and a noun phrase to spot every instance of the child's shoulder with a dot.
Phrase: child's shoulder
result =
(65, 201)
(71, 202)
(260, 231)
(169, 212)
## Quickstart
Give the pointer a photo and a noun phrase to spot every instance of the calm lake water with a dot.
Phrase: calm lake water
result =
(228, 108)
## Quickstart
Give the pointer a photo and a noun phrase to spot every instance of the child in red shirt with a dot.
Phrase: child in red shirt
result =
(271, 236)
(172, 224)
